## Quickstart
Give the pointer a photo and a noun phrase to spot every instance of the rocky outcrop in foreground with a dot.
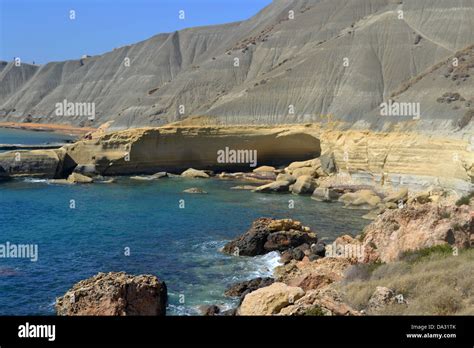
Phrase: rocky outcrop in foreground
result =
(115, 294)
(281, 299)
(268, 235)
(416, 227)
(311, 286)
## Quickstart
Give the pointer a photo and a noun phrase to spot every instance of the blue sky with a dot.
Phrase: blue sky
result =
(41, 31)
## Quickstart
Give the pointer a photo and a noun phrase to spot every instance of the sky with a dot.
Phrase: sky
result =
(42, 31)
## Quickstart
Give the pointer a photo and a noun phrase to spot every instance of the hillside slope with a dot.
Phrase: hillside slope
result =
(290, 70)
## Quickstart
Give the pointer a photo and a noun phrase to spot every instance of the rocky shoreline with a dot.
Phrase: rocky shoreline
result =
(309, 283)
(312, 273)
(405, 219)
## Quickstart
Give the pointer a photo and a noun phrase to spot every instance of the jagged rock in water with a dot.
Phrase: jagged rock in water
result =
(268, 235)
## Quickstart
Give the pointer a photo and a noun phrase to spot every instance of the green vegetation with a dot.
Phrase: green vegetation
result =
(413, 256)
(445, 215)
(314, 311)
(465, 200)
(433, 281)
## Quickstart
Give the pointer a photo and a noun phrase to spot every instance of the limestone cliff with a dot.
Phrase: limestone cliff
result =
(295, 61)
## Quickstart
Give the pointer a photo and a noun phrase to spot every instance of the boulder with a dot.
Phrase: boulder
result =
(323, 194)
(195, 190)
(321, 302)
(400, 196)
(76, 178)
(260, 176)
(276, 186)
(283, 240)
(301, 164)
(241, 289)
(194, 173)
(318, 249)
(286, 177)
(328, 164)
(313, 274)
(264, 169)
(311, 171)
(115, 294)
(381, 298)
(268, 235)
(421, 197)
(269, 300)
(209, 310)
(362, 199)
(86, 169)
(305, 184)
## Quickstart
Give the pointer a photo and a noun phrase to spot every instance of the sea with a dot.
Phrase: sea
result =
(140, 227)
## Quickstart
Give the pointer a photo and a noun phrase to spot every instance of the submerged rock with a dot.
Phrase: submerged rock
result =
(150, 177)
(115, 294)
(268, 235)
(195, 190)
(244, 187)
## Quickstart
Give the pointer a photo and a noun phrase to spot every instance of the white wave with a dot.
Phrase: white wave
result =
(181, 310)
(35, 180)
(209, 246)
(264, 265)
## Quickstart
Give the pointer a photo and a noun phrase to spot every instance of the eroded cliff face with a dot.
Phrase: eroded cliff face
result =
(383, 158)
(148, 150)
(401, 158)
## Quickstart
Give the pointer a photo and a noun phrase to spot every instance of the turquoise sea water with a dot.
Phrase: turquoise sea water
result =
(19, 136)
(181, 246)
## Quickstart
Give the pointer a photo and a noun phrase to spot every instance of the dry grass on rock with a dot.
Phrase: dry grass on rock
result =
(433, 282)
